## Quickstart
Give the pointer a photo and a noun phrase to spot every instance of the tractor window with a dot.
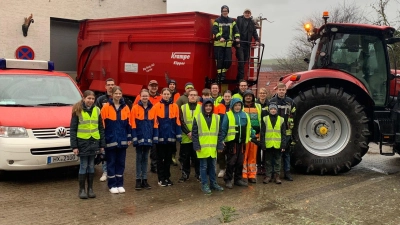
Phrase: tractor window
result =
(363, 56)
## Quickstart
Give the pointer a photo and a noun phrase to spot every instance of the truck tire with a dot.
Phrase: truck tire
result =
(331, 131)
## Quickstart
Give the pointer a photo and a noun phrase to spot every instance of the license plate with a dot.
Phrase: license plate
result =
(62, 158)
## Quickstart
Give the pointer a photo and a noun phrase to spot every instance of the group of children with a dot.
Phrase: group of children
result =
(208, 128)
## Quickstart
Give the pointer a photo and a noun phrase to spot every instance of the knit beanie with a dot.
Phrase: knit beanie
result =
(171, 81)
(189, 85)
(224, 6)
(272, 106)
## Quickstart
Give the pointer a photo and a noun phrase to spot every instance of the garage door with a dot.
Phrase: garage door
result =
(63, 47)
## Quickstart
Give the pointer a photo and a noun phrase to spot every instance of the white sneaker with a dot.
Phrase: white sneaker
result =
(103, 177)
(121, 190)
(221, 173)
(114, 190)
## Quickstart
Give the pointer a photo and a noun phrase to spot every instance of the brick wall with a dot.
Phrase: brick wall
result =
(272, 77)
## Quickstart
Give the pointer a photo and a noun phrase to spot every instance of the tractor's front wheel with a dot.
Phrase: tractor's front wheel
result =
(331, 131)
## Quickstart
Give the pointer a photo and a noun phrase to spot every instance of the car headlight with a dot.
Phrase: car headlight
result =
(13, 132)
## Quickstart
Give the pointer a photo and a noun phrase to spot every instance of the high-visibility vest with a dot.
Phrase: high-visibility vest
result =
(89, 125)
(273, 134)
(208, 137)
(188, 116)
(259, 109)
(232, 127)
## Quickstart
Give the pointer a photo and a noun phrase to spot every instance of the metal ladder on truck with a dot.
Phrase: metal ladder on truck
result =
(254, 61)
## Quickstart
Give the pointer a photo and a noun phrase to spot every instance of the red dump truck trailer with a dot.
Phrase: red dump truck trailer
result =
(135, 50)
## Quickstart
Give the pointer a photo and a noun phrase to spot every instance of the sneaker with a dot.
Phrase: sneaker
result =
(182, 179)
(215, 186)
(221, 173)
(114, 190)
(121, 190)
(206, 189)
(145, 184)
(169, 182)
(163, 183)
(103, 177)
(241, 183)
(228, 184)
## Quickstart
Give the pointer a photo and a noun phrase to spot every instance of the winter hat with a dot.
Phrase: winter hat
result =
(189, 85)
(272, 106)
(224, 6)
(171, 81)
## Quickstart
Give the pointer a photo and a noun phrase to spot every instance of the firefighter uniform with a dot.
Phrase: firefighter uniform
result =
(224, 27)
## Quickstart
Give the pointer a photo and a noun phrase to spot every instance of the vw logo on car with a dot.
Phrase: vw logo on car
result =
(61, 132)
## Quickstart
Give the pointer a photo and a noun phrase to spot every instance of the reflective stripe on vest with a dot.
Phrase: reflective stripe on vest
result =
(220, 31)
(188, 116)
(273, 134)
(208, 137)
(232, 127)
(89, 125)
(259, 108)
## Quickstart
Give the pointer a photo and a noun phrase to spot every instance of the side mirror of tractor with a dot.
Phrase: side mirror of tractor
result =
(394, 40)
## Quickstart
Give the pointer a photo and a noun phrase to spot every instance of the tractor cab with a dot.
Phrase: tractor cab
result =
(358, 50)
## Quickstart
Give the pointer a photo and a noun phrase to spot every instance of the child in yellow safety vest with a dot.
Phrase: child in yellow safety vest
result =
(272, 135)
(205, 135)
(87, 138)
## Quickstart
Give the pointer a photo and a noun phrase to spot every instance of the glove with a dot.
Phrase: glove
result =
(255, 141)
(100, 158)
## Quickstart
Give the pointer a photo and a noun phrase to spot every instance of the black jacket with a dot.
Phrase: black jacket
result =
(247, 28)
(90, 146)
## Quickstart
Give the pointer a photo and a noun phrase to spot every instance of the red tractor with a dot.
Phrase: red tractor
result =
(346, 99)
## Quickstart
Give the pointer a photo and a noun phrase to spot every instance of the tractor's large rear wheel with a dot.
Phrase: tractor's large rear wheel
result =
(331, 131)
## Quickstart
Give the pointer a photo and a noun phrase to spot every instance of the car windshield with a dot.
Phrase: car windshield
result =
(33, 90)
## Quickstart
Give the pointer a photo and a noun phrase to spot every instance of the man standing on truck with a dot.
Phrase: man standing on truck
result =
(224, 30)
(287, 110)
(247, 30)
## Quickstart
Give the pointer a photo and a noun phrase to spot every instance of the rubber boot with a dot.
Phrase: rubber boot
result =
(90, 192)
(277, 179)
(82, 191)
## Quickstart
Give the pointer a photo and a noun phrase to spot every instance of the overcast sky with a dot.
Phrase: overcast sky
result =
(286, 15)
